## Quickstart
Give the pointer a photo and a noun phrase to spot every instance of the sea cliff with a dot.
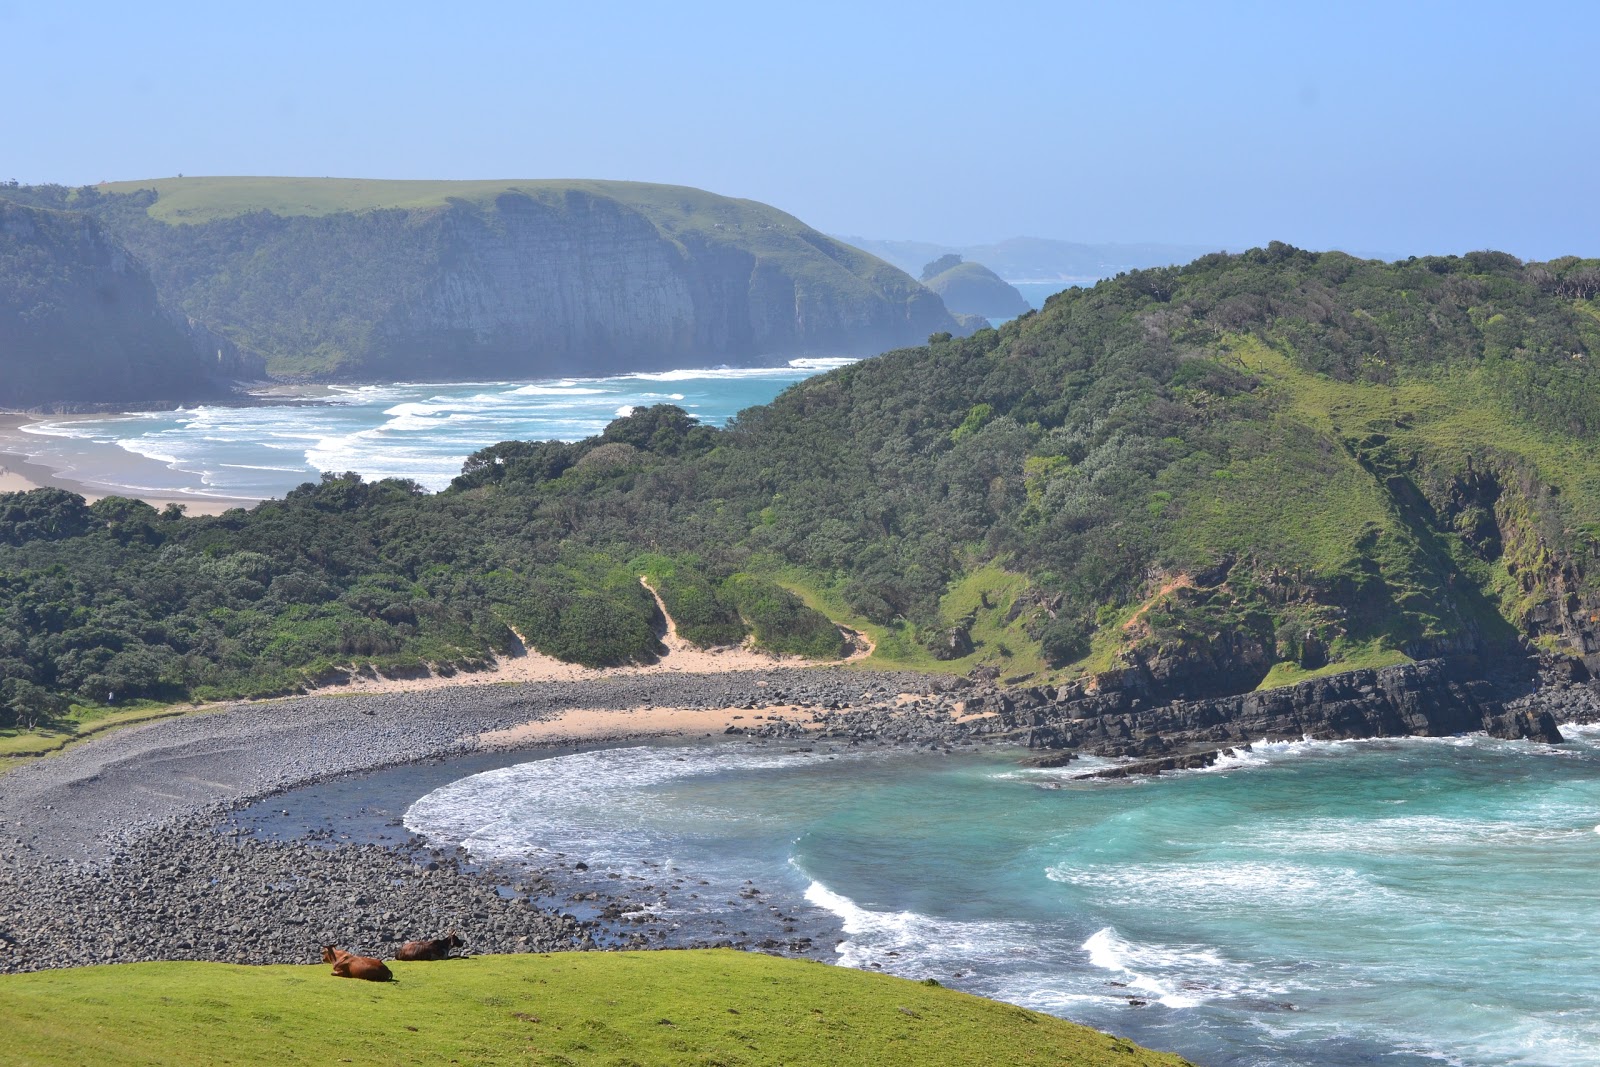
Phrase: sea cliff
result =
(80, 321)
(456, 280)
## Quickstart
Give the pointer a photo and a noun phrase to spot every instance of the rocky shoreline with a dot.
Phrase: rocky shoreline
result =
(112, 852)
(122, 849)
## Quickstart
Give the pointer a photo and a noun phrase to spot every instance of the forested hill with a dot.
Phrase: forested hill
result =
(1194, 480)
(80, 321)
(460, 280)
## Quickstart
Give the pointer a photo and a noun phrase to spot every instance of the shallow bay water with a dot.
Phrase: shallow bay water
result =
(1400, 902)
(421, 431)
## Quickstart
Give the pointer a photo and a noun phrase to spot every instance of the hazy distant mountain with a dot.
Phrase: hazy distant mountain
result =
(1037, 259)
(972, 289)
(451, 280)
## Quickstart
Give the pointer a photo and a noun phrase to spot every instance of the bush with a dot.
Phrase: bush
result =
(782, 622)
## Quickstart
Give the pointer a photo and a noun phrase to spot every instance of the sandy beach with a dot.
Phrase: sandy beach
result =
(575, 725)
(20, 471)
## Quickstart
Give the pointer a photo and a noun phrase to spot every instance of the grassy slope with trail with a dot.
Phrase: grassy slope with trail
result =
(697, 1007)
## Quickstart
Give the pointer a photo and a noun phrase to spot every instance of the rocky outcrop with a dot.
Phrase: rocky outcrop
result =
(80, 323)
(1434, 698)
(1425, 699)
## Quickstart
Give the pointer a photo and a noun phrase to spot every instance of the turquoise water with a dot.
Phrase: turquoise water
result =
(408, 430)
(1398, 902)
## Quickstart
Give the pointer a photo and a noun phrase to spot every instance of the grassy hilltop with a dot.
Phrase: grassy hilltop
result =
(1231, 475)
(574, 1008)
(334, 277)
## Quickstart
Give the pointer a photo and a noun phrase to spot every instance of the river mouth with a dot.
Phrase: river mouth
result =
(1413, 901)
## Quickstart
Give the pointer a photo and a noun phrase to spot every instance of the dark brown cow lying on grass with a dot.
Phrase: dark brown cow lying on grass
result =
(349, 965)
(437, 949)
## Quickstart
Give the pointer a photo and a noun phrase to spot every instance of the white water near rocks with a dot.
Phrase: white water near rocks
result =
(1404, 901)
(407, 430)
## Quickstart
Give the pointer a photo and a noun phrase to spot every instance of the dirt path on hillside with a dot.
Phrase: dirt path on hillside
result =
(527, 664)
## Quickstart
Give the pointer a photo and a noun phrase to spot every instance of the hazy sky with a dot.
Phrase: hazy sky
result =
(1387, 128)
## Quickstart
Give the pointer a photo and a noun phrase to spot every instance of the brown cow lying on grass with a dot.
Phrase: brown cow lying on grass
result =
(349, 965)
(437, 949)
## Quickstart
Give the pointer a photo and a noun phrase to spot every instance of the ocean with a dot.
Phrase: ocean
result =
(421, 431)
(1404, 902)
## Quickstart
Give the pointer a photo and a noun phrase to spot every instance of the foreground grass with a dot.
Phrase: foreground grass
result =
(703, 1008)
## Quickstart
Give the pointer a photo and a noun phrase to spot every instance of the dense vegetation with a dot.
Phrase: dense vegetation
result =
(456, 280)
(566, 1008)
(1236, 473)
(80, 321)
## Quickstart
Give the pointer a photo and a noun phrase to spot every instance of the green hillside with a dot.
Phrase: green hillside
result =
(373, 279)
(1240, 473)
(655, 1008)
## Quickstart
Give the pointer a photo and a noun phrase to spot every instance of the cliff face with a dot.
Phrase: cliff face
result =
(80, 322)
(528, 287)
(514, 279)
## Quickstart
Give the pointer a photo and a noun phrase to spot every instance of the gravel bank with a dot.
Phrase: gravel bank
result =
(109, 851)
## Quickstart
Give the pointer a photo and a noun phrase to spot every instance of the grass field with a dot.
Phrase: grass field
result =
(79, 723)
(984, 595)
(679, 211)
(206, 199)
(692, 1008)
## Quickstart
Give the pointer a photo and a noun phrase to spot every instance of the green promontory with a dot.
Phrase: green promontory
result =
(450, 280)
(1240, 473)
(973, 289)
(80, 321)
(653, 1008)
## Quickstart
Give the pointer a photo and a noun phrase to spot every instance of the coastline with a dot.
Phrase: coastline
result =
(168, 841)
(21, 470)
(148, 806)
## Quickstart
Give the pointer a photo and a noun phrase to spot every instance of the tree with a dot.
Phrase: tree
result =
(27, 705)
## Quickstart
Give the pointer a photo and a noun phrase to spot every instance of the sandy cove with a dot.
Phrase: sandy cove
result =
(21, 472)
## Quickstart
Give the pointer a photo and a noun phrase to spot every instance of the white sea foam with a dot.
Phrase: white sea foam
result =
(914, 945)
(258, 467)
(603, 802)
(1111, 953)
(1220, 886)
(798, 368)
(561, 388)
(1418, 834)
(822, 363)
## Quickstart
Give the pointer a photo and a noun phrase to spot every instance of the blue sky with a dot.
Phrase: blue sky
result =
(1394, 128)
